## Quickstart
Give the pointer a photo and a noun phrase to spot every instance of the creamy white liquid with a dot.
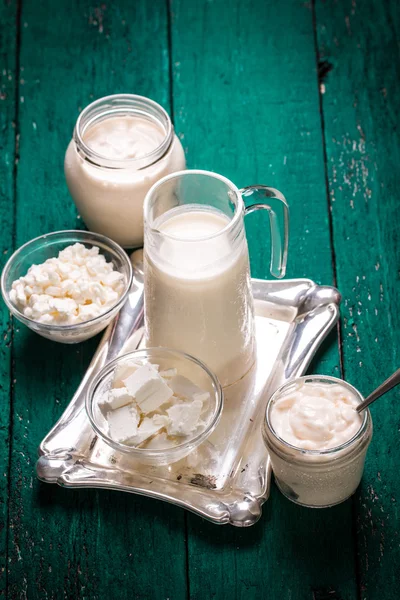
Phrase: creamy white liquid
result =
(197, 291)
(110, 200)
(316, 416)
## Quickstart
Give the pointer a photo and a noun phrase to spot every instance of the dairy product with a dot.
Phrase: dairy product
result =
(116, 398)
(168, 373)
(74, 287)
(184, 418)
(148, 388)
(122, 371)
(148, 428)
(184, 388)
(198, 292)
(123, 423)
(122, 138)
(111, 164)
(142, 405)
(316, 440)
(315, 416)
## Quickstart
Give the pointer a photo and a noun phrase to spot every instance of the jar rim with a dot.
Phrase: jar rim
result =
(305, 451)
(122, 104)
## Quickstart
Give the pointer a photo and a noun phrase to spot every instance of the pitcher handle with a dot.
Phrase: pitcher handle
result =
(279, 249)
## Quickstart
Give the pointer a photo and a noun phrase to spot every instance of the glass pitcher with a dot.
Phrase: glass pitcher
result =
(198, 296)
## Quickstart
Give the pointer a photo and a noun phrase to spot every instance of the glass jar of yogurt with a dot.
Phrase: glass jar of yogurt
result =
(121, 146)
(316, 440)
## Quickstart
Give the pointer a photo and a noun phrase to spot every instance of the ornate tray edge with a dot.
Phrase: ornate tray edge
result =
(70, 470)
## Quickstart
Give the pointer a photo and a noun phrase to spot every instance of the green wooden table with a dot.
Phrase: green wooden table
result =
(300, 95)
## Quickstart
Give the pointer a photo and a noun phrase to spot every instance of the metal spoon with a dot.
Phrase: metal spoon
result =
(387, 385)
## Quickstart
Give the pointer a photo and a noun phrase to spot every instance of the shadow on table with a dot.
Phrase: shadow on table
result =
(312, 549)
(119, 510)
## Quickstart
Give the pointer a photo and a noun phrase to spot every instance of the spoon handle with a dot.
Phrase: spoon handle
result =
(387, 385)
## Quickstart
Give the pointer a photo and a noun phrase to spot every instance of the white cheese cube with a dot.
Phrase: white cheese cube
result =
(184, 388)
(160, 394)
(184, 418)
(123, 371)
(142, 377)
(115, 398)
(148, 388)
(160, 442)
(168, 373)
(148, 428)
(123, 423)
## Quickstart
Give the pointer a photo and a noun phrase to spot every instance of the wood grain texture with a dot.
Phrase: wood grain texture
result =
(361, 98)
(8, 142)
(63, 543)
(246, 105)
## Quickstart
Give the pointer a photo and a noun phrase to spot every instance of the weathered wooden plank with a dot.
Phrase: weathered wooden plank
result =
(361, 98)
(66, 544)
(246, 105)
(8, 142)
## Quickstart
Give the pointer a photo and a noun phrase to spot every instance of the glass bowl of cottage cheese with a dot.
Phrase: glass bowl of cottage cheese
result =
(317, 441)
(155, 404)
(67, 285)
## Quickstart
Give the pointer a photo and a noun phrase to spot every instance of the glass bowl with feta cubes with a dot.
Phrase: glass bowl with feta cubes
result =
(155, 404)
(67, 285)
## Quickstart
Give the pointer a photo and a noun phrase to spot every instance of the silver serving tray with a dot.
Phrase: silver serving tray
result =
(227, 478)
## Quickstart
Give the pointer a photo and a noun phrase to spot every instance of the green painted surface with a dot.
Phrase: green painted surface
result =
(361, 108)
(241, 82)
(8, 59)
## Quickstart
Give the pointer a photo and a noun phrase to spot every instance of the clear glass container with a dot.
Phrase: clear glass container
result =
(317, 478)
(197, 285)
(165, 451)
(47, 246)
(108, 192)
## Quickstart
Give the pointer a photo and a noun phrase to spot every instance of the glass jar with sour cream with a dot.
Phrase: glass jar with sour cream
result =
(317, 442)
(121, 146)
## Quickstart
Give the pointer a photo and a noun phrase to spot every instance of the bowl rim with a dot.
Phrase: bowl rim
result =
(154, 452)
(67, 232)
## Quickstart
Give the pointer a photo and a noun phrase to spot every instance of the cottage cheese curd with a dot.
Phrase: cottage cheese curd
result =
(143, 402)
(74, 287)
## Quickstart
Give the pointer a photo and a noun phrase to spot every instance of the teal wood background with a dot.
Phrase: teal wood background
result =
(303, 96)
